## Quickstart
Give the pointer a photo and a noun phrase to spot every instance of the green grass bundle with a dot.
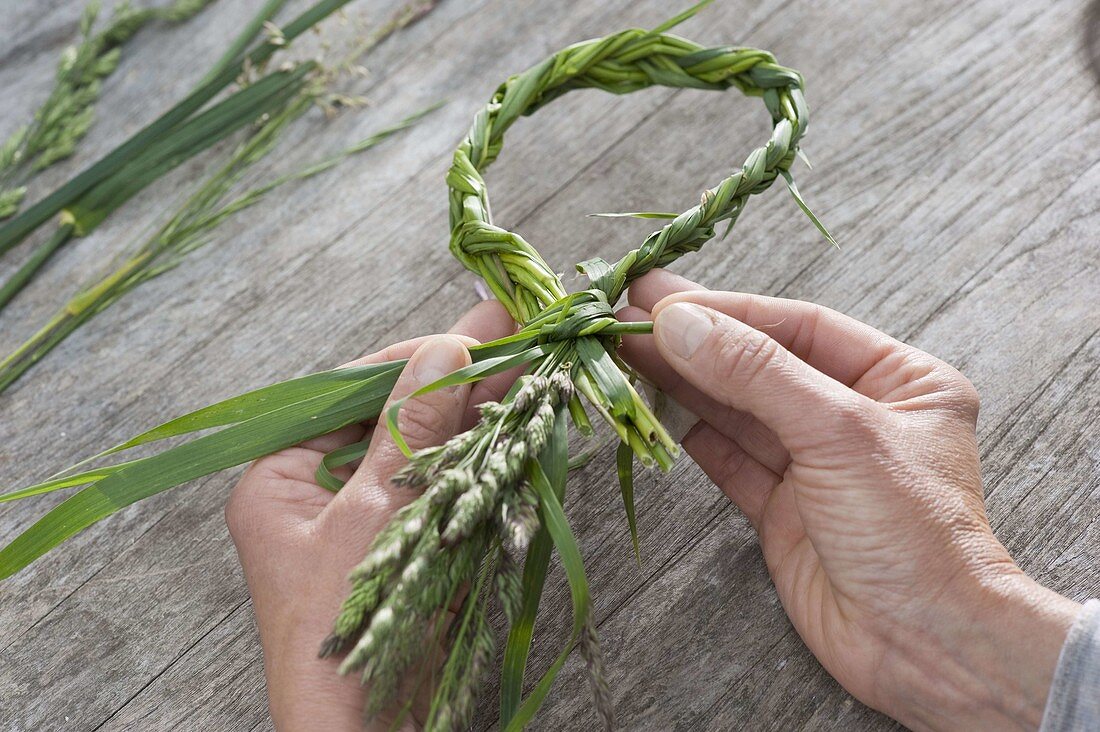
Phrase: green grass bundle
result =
(182, 132)
(190, 227)
(490, 510)
(68, 112)
(215, 199)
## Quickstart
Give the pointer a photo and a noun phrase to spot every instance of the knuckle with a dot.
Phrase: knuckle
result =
(858, 416)
(807, 328)
(957, 392)
(732, 465)
(744, 356)
(855, 422)
(422, 422)
(967, 395)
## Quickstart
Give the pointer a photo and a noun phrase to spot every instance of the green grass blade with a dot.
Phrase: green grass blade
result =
(338, 457)
(271, 410)
(69, 481)
(16, 229)
(553, 518)
(608, 377)
(270, 400)
(681, 17)
(634, 215)
(19, 279)
(37, 346)
(806, 209)
(535, 567)
(624, 465)
(254, 438)
(66, 115)
(188, 139)
(474, 372)
(262, 401)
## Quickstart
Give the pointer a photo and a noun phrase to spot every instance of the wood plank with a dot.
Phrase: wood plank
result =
(962, 203)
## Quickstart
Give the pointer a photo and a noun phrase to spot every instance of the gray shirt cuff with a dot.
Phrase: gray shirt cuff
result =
(1073, 704)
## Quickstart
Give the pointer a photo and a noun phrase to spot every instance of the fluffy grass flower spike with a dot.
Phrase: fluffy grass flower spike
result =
(490, 512)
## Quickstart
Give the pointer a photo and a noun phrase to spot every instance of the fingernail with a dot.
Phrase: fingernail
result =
(682, 327)
(437, 358)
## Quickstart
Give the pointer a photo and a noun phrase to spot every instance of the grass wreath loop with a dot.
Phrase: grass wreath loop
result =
(620, 63)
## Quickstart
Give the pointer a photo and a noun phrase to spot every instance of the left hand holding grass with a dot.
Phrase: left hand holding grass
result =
(854, 456)
(297, 542)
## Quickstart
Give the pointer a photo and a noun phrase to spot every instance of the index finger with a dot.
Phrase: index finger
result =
(485, 321)
(835, 344)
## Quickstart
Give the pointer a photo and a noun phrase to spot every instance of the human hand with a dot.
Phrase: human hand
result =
(297, 542)
(854, 456)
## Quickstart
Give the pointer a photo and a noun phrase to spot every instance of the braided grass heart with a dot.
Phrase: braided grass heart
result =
(493, 494)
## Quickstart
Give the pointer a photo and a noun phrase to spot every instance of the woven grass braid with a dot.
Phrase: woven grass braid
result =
(621, 63)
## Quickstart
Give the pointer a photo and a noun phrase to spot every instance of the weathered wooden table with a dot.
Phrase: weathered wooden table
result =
(957, 152)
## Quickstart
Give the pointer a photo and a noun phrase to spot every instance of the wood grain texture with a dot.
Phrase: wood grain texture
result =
(957, 158)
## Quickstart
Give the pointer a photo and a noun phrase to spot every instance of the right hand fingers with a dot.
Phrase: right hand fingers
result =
(746, 369)
(759, 442)
(833, 343)
(850, 352)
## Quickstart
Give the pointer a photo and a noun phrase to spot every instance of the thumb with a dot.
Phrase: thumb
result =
(426, 420)
(743, 368)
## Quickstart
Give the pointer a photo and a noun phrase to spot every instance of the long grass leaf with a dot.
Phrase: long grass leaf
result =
(474, 372)
(248, 440)
(69, 481)
(624, 466)
(806, 209)
(261, 401)
(188, 139)
(335, 459)
(535, 567)
(634, 215)
(247, 408)
(553, 518)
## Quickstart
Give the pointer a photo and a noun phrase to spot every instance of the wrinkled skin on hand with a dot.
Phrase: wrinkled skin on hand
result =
(854, 457)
